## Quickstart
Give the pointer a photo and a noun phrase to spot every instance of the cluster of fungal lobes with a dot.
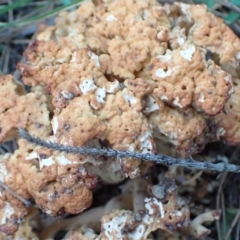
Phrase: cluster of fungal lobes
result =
(129, 75)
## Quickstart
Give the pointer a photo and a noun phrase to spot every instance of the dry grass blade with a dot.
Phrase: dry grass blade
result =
(237, 234)
(219, 203)
(27, 203)
(19, 20)
(236, 219)
(229, 5)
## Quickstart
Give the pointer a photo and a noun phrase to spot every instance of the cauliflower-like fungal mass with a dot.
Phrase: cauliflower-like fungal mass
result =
(28, 228)
(120, 74)
(160, 208)
(58, 183)
(132, 71)
(21, 110)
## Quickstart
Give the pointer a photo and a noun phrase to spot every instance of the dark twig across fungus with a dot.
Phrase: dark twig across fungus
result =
(159, 158)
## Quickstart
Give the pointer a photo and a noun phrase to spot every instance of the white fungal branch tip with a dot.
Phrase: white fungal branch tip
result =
(164, 58)
(7, 211)
(164, 98)
(111, 18)
(176, 102)
(4, 173)
(46, 162)
(201, 98)
(188, 53)
(94, 57)
(100, 95)
(115, 225)
(145, 14)
(87, 86)
(66, 94)
(62, 160)
(150, 205)
(163, 73)
(113, 87)
(32, 155)
(180, 41)
(55, 125)
(146, 145)
(130, 99)
(160, 207)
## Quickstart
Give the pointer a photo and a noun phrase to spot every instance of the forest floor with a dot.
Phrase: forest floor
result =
(18, 24)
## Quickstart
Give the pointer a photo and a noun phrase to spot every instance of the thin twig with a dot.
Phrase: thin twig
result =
(237, 231)
(223, 210)
(6, 59)
(238, 224)
(219, 194)
(21, 41)
(27, 203)
(10, 12)
(229, 5)
(159, 159)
